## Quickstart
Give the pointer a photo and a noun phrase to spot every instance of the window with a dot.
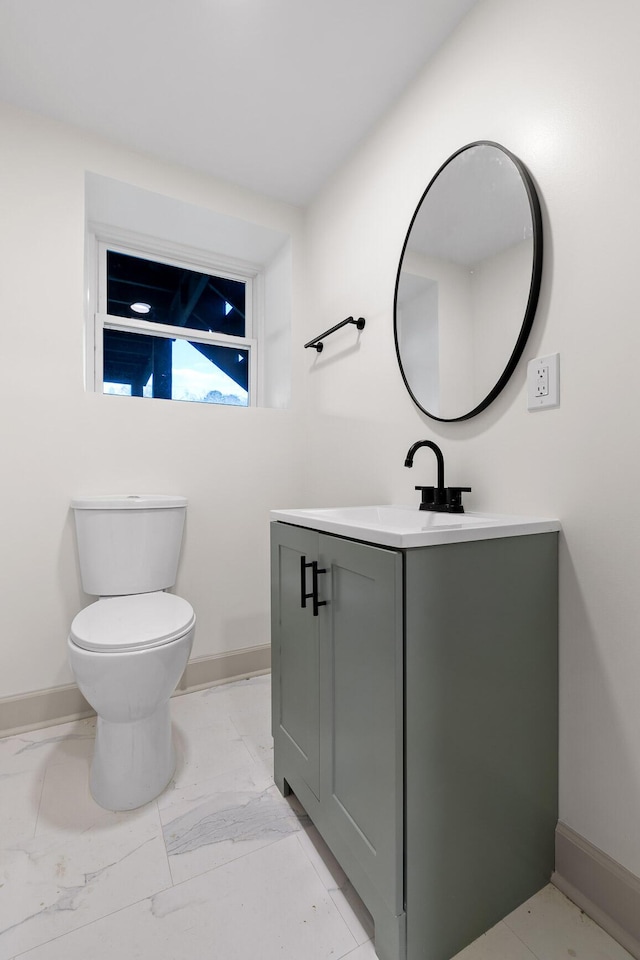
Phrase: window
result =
(171, 328)
(158, 229)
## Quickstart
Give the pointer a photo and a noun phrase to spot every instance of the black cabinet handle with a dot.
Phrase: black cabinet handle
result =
(304, 596)
(313, 596)
(316, 603)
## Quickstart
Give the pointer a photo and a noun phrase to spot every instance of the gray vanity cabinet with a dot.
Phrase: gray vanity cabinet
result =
(337, 707)
(416, 720)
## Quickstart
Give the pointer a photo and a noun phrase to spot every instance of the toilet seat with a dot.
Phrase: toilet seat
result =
(136, 622)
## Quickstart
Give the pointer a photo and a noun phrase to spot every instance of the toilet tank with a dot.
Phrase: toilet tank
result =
(128, 543)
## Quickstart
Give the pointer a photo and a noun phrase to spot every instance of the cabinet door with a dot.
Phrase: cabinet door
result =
(295, 656)
(362, 693)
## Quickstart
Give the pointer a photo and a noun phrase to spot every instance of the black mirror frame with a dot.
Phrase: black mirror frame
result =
(534, 289)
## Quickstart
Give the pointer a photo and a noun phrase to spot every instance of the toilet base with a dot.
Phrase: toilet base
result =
(132, 762)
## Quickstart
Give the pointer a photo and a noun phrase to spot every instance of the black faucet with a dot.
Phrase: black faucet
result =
(440, 498)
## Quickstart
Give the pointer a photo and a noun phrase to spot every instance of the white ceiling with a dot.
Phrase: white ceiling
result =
(270, 94)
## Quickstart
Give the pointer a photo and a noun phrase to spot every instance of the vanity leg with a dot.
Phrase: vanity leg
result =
(281, 783)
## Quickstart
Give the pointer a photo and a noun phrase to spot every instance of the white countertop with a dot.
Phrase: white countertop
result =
(394, 525)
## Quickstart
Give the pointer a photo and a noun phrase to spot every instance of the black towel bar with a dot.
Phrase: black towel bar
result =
(317, 341)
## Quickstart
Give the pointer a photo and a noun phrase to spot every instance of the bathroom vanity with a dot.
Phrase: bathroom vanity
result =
(415, 710)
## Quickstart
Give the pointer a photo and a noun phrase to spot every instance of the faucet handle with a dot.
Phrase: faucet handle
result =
(432, 497)
(443, 499)
(454, 498)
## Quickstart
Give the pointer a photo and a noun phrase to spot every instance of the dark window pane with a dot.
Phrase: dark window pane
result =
(139, 365)
(161, 293)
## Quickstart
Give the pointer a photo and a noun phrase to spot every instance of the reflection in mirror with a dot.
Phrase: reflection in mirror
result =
(468, 282)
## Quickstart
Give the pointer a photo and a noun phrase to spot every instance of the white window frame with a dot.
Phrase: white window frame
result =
(101, 238)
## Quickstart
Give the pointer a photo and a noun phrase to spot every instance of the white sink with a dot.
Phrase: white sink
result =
(395, 525)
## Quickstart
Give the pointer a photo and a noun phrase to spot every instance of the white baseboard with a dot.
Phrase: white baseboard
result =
(43, 708)
(599, 885)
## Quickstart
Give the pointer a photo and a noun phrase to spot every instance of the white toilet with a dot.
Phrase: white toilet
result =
(128, 649)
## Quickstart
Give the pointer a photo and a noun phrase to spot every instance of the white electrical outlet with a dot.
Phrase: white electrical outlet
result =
(543, 382)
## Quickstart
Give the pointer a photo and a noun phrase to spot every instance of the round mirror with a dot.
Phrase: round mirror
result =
(468, 282)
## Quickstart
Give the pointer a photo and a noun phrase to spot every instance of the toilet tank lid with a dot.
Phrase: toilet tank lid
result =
(129, 501)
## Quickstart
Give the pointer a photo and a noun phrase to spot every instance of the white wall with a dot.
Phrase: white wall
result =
(557, 83)
(58, 440)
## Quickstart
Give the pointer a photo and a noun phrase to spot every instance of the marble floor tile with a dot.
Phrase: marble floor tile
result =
(554, 928)
(25, 761)
(365, 952)
(499, 943)
(220, 866)
(202, 751)
(177, 798)
(67, 807)
(268, 905)
(260, 747)
(247, 701)
(209, 824)
(53, 884)
(354, 913)
(196, 709)
(334, 879)
(36, 749)
(323, 861)
(243, 706)
(19, 803)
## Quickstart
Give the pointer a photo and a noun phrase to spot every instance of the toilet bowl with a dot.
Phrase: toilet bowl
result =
(129, 649)
(127, 655)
